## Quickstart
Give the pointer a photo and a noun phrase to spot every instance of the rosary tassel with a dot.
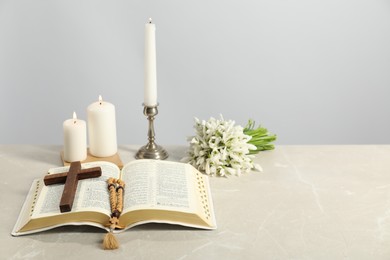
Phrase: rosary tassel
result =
(110, 242)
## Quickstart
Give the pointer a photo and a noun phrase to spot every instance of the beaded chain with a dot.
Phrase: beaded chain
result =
(115, 190)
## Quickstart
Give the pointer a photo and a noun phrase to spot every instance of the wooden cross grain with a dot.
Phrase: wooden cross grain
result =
(71, 180)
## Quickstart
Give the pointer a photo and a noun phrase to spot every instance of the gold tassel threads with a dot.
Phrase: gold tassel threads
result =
(110, 242)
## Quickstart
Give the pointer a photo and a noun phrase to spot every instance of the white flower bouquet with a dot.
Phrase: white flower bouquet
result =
(221, 148)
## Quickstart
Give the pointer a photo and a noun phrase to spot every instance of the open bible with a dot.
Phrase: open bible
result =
(155, 191)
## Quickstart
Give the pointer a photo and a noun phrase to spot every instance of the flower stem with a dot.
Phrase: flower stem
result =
(261, 138)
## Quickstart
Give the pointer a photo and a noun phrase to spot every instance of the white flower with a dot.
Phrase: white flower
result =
(220, 147)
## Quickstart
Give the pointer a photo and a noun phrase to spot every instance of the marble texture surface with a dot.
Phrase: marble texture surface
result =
(310, 202)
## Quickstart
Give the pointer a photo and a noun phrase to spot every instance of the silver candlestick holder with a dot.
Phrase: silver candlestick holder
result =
(151, 150)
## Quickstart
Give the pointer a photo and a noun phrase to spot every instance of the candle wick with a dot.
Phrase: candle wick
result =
(150, 20)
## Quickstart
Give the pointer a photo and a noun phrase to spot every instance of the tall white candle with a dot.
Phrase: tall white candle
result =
(102, 129)
(75, 139)
(150, 75)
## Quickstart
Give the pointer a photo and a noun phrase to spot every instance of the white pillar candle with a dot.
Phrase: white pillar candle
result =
(150, 76)
(75, 139)
(102, 129)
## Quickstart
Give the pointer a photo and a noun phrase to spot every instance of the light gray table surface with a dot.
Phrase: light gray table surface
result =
(310, 202)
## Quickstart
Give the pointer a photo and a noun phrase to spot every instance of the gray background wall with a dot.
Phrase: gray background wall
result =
(314, 72)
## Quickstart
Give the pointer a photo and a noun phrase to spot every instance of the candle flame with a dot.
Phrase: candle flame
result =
(100, 99)
(74, 117)
(150, 20)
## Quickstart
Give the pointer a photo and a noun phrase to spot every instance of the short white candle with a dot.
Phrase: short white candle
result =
(75, 139)
(150, 75)
(102, 129)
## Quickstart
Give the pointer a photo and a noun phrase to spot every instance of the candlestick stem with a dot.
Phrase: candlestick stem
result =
(151, 133)
(151, 150)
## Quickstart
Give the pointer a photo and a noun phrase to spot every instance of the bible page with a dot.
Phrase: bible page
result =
(152, 184)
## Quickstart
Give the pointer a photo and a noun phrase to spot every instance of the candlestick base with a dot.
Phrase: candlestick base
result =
(151, 150)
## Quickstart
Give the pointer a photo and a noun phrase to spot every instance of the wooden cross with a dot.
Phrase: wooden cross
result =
(71, 180)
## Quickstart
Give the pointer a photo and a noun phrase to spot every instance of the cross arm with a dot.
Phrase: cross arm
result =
(83, 174)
